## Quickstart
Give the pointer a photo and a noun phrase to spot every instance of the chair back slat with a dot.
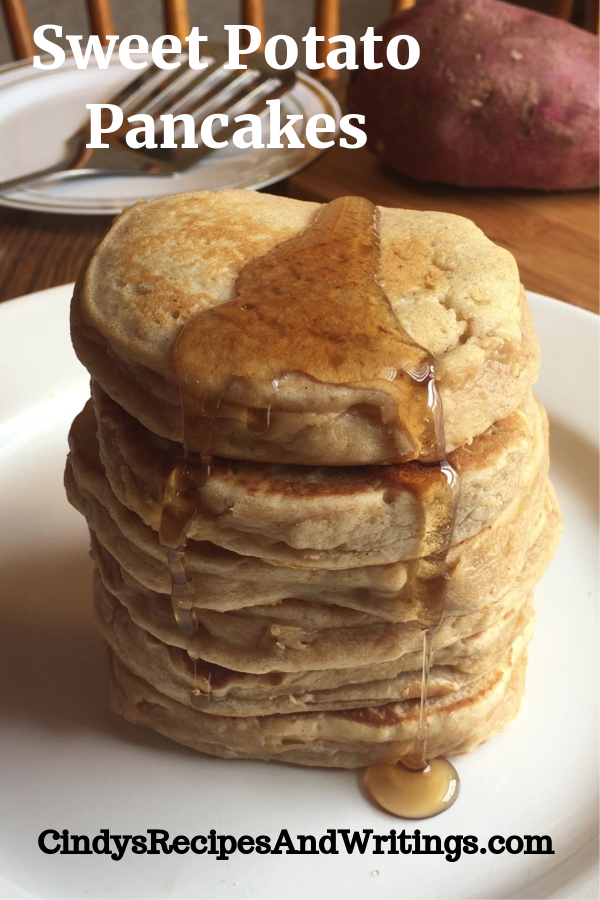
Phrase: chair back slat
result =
(327, 23)
(19, 29)
(563, 9)
(177, 19)
(253, 13)
(177, 22)
(101, 20)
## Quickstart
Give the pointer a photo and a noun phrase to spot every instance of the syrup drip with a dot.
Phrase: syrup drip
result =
(416, 787)
(258, 420)
(313, 307)
(201, 691)
(180, 504)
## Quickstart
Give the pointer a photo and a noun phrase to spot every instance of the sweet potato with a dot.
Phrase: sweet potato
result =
(500, 97)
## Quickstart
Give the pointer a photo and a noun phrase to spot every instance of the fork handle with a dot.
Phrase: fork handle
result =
(33, 176)
(77, 158)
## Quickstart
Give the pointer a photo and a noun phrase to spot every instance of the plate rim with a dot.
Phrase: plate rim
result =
(327, 100)
(585, 879)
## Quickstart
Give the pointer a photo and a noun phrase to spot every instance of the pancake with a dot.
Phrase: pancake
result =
(482, 566)
(457, 722)
(453, 291)
(312, 647)
(327, 359)
(368, 514)
(225, 692)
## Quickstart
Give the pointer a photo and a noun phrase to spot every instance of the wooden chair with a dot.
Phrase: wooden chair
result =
(177, 22)
(562, 9)
(584, 13)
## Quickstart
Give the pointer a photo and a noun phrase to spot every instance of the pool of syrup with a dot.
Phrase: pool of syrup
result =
(413, 794)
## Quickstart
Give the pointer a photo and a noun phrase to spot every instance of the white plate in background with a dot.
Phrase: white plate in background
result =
(40, 109)
(67, 762)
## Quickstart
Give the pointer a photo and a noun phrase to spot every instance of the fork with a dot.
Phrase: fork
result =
(177, 91)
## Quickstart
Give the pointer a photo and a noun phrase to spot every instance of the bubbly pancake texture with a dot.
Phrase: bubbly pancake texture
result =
(451, 289)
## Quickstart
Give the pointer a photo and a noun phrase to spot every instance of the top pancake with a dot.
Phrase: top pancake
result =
(452, 290)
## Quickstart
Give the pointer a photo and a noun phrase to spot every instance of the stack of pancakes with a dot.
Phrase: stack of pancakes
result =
(305, 549)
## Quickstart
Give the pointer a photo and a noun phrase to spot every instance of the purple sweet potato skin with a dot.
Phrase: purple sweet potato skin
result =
(500, 97)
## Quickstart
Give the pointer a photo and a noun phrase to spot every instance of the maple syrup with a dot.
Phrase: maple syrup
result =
(258, 420)
(200, 695)
(313, 307)
(410, 793)
(180, 504)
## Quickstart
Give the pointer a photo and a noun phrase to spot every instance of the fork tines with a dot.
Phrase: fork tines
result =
(200, 93)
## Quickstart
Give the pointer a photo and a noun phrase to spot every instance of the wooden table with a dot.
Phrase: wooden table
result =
(554, 237)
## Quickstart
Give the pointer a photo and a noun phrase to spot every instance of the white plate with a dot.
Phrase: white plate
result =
(67, 762)
(40, 109)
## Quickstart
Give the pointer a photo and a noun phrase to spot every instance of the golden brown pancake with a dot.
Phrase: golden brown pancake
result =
(453, 291)
(314, 350)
